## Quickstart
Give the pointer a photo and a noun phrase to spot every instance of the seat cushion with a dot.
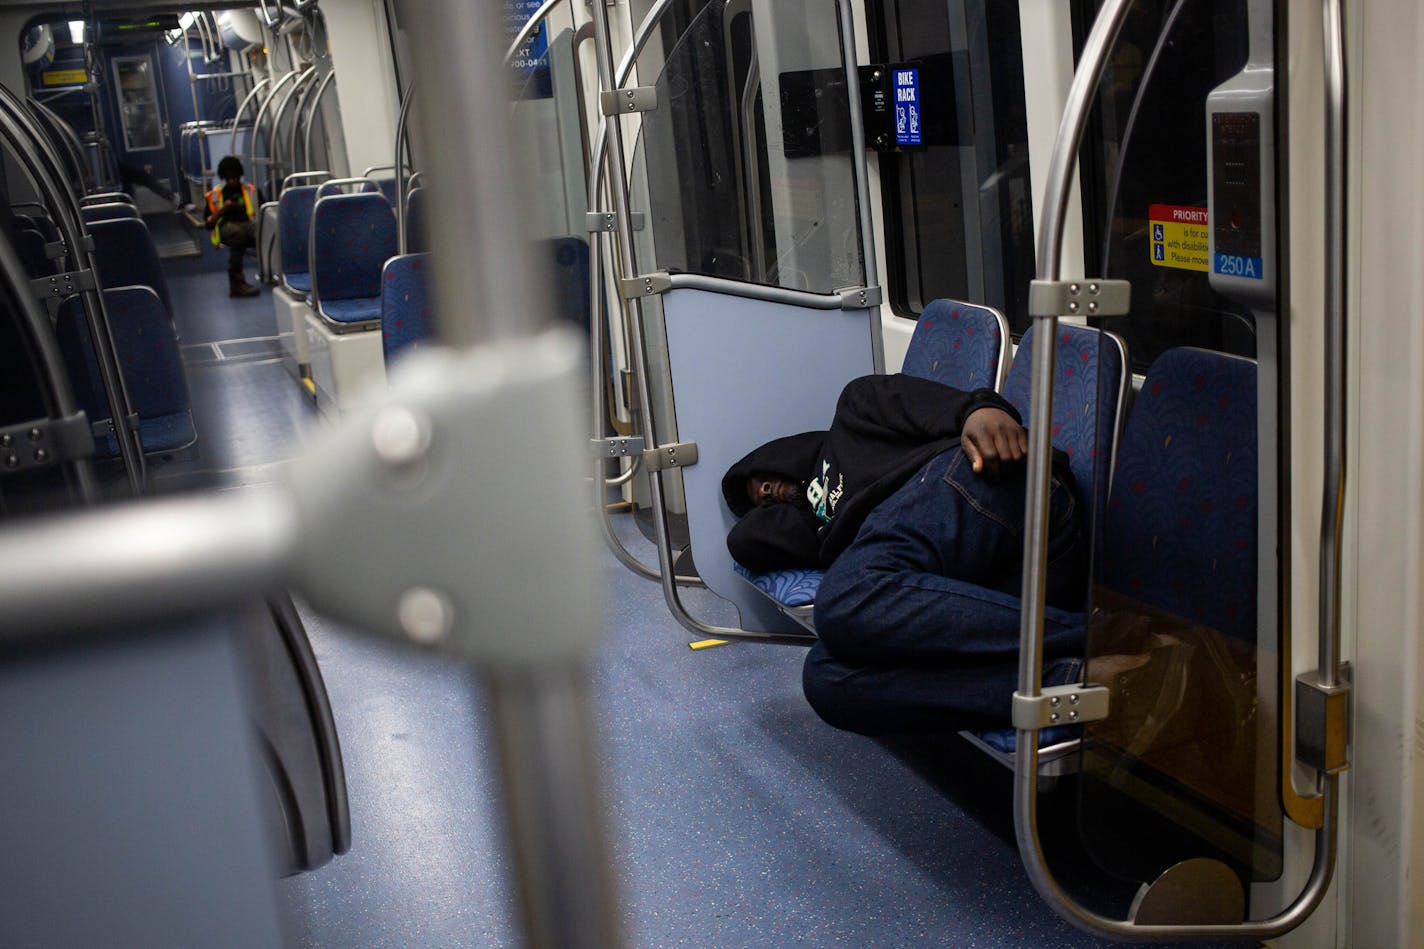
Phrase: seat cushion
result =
(794, 587)
(357, 310)
(298, 281)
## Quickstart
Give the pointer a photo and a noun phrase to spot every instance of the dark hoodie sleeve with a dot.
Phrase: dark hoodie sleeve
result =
(778, 537)
(901, 407)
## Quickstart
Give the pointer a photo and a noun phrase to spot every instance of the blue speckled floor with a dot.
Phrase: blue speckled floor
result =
(739, 819)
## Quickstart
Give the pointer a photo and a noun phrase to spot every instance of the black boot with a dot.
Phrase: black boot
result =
(238, 287)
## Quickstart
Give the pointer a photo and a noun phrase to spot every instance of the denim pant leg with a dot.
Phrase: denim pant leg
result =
(934, 573)
(908, 699)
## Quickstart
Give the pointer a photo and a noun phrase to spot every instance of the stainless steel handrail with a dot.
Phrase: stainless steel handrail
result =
(402, 195)
(58, 395)
(284, 154)
(540, 719)
(246, 100)
(530, 25)
(34, 153)
(1062, 163)
(311, 118)
(257, 124)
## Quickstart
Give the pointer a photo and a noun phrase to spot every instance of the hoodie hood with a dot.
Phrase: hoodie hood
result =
(792, 457)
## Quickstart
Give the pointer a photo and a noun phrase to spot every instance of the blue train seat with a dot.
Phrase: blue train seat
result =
(386, 186)
(959, 344)
(294, 213)
(46, 228)
(125, 256)
(352, 237)
(963, 345)
(1181, 521)
(405, 303)
(416, 239)
(152, 367)
(1089, 397)
(107, 212)
(30, 245)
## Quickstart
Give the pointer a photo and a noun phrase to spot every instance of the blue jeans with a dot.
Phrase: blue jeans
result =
(919, 618)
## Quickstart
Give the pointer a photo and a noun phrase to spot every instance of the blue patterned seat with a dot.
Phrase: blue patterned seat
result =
(386, 186)
(1181, 522)
(294, 212)
(125, 256)
(959, 344)
(405, 303)
(1089, 388)
(152, 368)
(352, 237)
(793, 587)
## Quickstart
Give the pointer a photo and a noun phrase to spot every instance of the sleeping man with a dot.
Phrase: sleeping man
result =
(913, 504)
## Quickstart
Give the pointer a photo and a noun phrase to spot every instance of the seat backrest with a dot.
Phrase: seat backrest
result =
(106, 212)
(387, 187)
(124, 255)
(46, 228)
(963, 345)
(1180, 533)
(147, 350)
(416, 239)
(294, 213)
(405, 303)
(352, 237)
(1089, 389)
(30, 245)
(345, 186)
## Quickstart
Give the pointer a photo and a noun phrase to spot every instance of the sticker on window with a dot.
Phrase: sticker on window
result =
(1179, 237)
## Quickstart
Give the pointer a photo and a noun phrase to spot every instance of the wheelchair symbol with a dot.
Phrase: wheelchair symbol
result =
(1157, 232)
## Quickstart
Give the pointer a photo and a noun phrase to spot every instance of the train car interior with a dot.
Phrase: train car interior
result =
(375, 378)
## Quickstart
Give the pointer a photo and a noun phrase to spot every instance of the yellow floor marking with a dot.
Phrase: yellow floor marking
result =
(708, 643)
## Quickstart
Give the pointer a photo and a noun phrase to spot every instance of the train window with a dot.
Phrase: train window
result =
(747, 159)
(959, 217)
(1150, 112)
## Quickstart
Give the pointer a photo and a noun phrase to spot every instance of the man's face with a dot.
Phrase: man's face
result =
(765, 489)
(233, 180)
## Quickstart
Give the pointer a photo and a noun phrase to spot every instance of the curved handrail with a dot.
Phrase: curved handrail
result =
(284, 153)
(56, 391)
(34, 153)
(1062, 163)
(597, 368)
(261, 113)
(398, 169)
(242, 106)
(311, 117)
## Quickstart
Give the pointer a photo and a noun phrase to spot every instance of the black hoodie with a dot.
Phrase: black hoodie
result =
(884, 429)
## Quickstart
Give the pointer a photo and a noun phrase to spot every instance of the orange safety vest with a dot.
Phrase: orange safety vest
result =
(249, 198)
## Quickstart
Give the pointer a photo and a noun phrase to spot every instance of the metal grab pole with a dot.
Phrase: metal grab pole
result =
(1085, 82)
(402, 238)
(311, 119)
(487, 294)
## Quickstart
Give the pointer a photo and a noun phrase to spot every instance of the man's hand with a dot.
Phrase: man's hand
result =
(992, 440)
